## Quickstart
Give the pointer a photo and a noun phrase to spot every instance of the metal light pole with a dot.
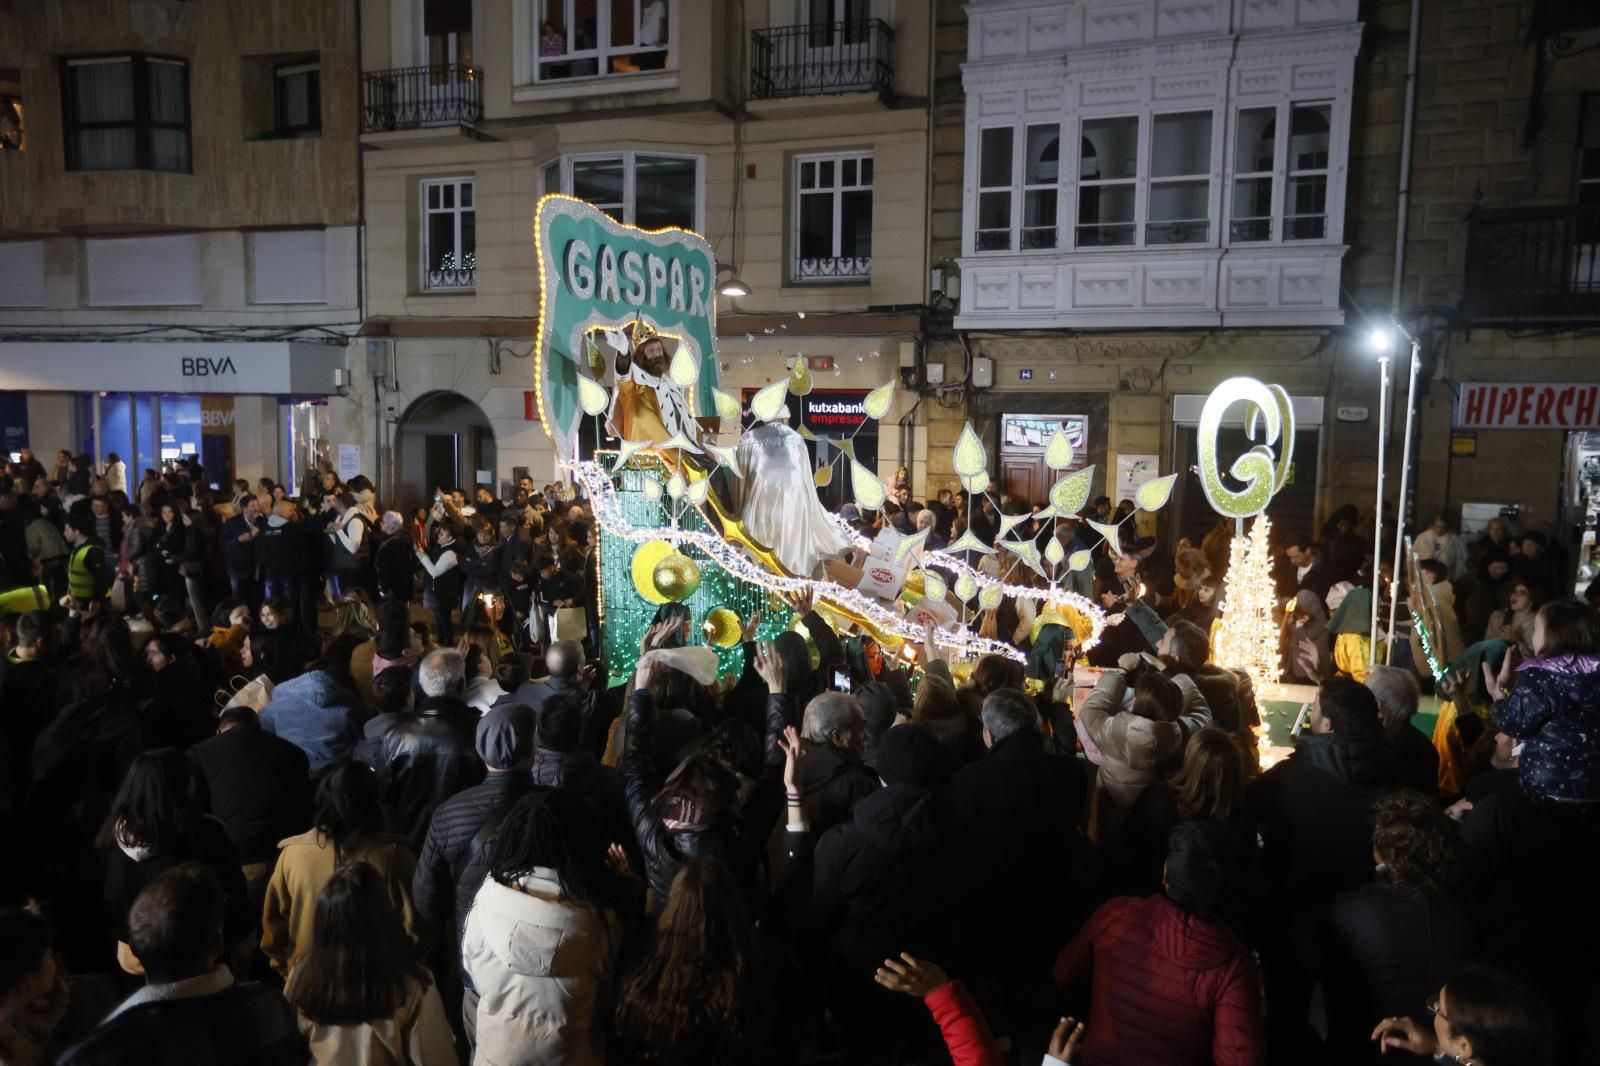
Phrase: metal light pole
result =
(1400, 510)
(1383, 341)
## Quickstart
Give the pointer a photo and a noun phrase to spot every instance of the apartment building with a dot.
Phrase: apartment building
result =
(793, 135)
(179, 239)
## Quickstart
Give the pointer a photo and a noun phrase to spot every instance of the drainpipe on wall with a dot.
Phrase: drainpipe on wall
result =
(1402, 221)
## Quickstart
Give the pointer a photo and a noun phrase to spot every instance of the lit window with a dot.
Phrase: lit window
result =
(833, 217)
(599, 38)
(449, 235)
(13, 131)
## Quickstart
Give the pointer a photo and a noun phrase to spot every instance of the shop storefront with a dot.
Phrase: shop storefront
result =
(246, 409)
(1495, 423)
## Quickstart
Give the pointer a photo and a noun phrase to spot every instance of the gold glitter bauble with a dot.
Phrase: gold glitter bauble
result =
(676, 577)
(723, 627)
(643, 568)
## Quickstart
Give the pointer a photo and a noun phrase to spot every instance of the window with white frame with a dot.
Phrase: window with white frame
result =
(1305, 209)
(600, 38)
(650, 190)
(1148, 180)
(994, 189)
(449, 235)
(1108, 182)
(127, 112)
(1180, 179)
(833, 217)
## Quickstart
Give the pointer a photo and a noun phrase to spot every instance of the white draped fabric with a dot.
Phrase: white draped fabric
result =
(777, 499)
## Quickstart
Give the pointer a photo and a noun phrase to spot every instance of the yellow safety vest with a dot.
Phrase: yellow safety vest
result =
(80, 579)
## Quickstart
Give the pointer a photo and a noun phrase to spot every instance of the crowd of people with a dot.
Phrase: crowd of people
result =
(264, 809)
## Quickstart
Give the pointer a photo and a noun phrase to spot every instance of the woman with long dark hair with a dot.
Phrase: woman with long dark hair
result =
(155, 824)
(1483, 1016)
(347, 826)
(361, 995)
(543, 937)
(697, 995)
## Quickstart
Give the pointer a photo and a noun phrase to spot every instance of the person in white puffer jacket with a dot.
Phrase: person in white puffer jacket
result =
(543, 936)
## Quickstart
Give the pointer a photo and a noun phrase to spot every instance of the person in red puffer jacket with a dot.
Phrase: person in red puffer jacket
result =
(1167, 983)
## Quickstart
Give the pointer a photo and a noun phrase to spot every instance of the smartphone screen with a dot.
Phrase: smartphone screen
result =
(841, 680)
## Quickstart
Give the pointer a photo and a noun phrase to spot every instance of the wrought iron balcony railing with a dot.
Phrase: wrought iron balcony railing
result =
(416, 98)
(820, 58)
(834, 268)
(1526, 263)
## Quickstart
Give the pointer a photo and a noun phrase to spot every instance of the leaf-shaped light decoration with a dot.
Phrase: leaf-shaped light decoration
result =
(1054, 552)
(907, 545)
(1058, 453)
(933, 586)
(966, 587)
(869, 491)
(990, 597)
(976, 483)
(766, 404)
(1008, 522)
(805, 434)
(619, 341)
(1069, 494)
(1154, 494)
(698, 491)
(676, 486)
(652, 488)
(878, 401)
(592, 396)
(682, 370)
(1026, 550)
(968, 457)
(824, 476)
(725, 454)
(678, 440)
(846, 445)
(969, 542)
(727, 407)
(800, 377)
(625, 451)
(1109, 532)
(1080, 560)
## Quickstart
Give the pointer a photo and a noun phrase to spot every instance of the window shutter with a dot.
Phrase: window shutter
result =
(446, 16)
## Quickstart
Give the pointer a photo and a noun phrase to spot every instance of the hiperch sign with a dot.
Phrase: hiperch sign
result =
(596, 273)
(1509, 405)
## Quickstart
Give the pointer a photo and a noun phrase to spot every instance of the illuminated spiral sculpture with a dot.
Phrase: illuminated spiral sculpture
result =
(1256, 468)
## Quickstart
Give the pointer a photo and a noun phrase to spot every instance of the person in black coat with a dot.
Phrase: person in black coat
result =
(1311, 571)
(1316, 815)
(888, 881)
(257, 785)
(455, 853)
(186, 679)
(29, 675)
(832, 776)
(428, 759)
(1389, 945)
(697, 811)
(395, 563)
(563, 762)
(1024, 806)
(238, 537)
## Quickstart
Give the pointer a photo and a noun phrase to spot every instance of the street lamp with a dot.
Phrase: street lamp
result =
(732, 285)
(1381, 342)
(1405, 482)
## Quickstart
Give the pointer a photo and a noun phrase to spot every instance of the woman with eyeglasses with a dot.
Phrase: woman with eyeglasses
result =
(1481, 1017)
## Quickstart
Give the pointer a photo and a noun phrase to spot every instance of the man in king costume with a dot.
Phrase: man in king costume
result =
(648, 405)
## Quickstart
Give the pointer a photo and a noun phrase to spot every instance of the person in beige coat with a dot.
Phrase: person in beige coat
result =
(1140, 731)
(542, 938)
(347, 824)
(360, 996)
